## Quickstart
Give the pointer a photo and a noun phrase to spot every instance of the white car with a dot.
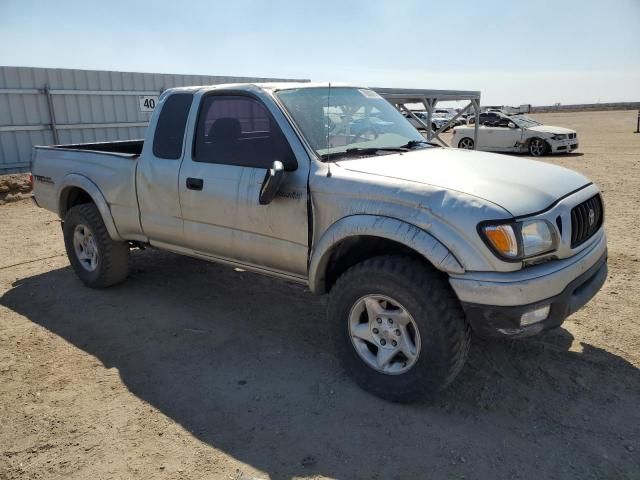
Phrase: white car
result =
(499, 132)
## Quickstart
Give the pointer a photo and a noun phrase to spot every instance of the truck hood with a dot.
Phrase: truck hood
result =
(550, 129)
(518, 185)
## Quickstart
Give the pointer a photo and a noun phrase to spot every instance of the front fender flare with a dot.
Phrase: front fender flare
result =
(80, 181)
(377, 226)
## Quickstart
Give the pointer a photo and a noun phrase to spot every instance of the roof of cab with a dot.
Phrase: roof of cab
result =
(270, 86)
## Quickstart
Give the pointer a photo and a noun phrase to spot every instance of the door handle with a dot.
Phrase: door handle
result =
(195, 183)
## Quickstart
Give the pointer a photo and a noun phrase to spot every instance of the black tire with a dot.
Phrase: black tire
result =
(466, 143)
(112, 257)
(538, 147)
(425, 294)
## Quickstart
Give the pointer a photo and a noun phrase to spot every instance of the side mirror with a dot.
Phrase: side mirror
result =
(512, 125)
(271, 183)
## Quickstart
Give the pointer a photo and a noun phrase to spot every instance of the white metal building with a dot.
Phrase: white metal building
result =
(43, 106)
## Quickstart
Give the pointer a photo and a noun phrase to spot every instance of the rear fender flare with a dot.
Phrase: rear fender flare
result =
(80, 181)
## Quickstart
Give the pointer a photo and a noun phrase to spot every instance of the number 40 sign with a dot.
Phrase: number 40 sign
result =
(147, 102)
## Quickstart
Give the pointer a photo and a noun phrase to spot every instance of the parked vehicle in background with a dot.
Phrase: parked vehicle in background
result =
(437, 120)
(449, 113)
(488, 117)
(509, 110)
(499, 132)
(440, 120)
(416, 245)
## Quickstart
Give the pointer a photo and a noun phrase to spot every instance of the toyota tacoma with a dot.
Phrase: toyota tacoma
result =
(416, 245)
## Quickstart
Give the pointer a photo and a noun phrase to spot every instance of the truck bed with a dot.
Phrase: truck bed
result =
(104, 168)
(129, 148)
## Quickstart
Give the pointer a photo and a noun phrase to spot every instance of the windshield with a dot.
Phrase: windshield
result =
(523, 121)
(341, 119)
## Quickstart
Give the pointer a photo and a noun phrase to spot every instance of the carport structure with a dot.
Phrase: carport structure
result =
(402, 97)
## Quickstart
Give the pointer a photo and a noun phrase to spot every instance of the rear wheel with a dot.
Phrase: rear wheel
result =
(98, 260)
(538, 147)
(400, 330)
(466, 143)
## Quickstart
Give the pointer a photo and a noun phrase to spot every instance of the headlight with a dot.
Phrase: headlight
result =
(537, 237)
(519, 240)
(560, 136)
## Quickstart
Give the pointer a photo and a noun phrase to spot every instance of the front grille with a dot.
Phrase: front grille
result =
(586, 219)
(572, 135)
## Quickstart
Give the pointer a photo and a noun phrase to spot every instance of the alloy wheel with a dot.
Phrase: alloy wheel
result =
(384, 334)
(466, 143)
(537, 147)
(85, 247)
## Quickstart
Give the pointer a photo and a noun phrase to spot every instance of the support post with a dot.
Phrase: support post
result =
(476, 125)
(638, 124)
(52, 115)
(451, 121)
(429, 106)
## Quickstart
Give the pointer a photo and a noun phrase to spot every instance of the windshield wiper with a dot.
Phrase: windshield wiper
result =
(358, 151)
(417, 143)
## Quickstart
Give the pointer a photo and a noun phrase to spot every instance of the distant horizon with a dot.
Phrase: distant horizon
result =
(337, 81)
(567, 51)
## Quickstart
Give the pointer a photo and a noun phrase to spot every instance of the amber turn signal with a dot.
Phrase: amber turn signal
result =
(503, 239)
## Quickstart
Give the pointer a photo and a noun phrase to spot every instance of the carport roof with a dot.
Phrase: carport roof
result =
(416, 95)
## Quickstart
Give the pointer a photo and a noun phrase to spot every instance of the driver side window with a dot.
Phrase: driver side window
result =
(239, 130)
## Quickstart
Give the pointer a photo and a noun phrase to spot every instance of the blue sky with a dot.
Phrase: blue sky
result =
(517, 51)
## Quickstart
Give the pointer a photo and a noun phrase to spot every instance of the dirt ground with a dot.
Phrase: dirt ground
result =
(192, 370)
(14, 188)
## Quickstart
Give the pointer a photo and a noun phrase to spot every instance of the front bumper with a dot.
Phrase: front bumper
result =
(494, 308)
(500, 321)
(563, 146)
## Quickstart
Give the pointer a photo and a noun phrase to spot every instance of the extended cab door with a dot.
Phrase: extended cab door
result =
(235, 140)
(158, 170)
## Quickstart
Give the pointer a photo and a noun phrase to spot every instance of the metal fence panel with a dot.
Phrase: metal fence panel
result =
(87, 106)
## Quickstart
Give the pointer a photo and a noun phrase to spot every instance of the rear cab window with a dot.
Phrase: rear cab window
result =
(169, 135)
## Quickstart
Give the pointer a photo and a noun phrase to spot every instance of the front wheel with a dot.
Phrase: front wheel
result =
(98, 260)
(400, 330)
(538, 147)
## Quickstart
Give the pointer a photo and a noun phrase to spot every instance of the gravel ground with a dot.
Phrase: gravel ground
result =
(194, 370)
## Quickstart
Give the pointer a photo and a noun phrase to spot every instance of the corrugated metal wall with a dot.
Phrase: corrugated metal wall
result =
(87, 106)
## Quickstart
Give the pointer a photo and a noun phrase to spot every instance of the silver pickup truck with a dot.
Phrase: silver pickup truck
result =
(332, 187)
